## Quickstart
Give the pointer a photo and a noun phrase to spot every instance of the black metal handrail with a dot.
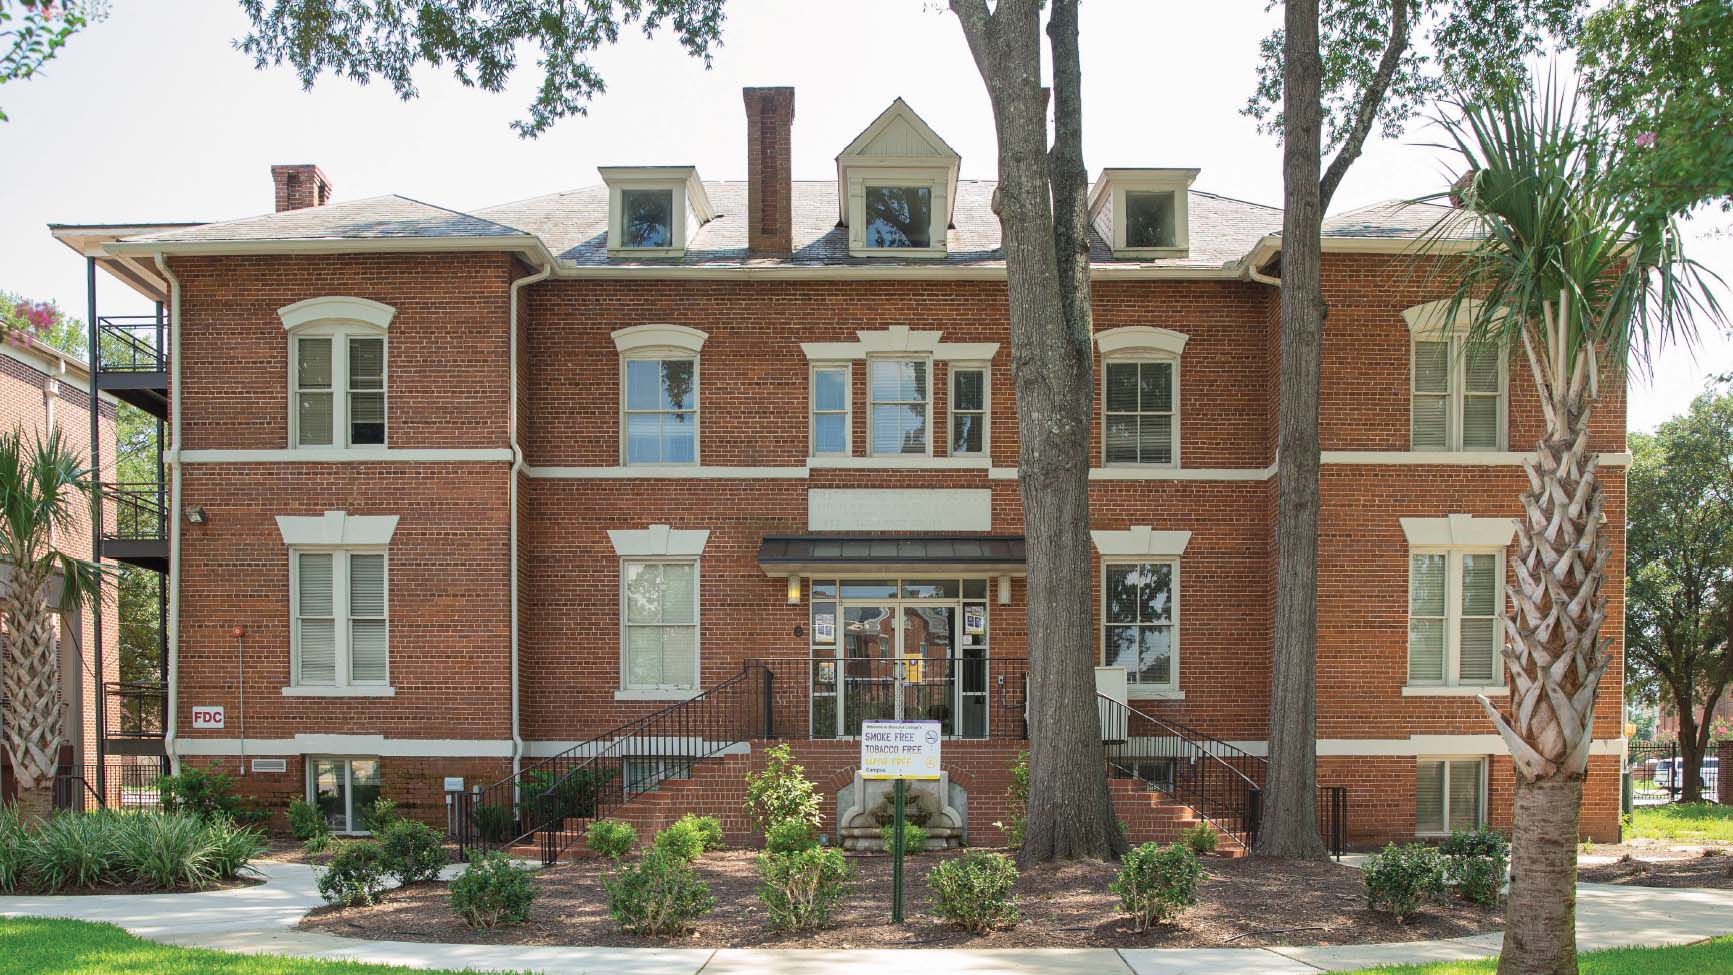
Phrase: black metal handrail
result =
(134, 709)
(131, 343)
(74, 793)
(556, 797)
(1210, 776)
(140, 511)
(972, 698)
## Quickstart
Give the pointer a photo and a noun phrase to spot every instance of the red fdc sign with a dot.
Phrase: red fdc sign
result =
(208, 717)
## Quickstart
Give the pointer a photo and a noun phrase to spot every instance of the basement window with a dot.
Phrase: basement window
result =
(1449, 794)
(344, 789)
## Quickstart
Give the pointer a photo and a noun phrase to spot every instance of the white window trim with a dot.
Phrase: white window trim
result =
(691, 205)
(670, 692)
(896, 340)
(1485, 798)
(664, 354)
(339, 332)
(1107, 207)
(310, 780)
(1135, 690)
(812, 411)
(1453, 620)
(986, 371)
(938, 183)
(1428, 322)
(899, 357)
(1137, 356)
(340, 598)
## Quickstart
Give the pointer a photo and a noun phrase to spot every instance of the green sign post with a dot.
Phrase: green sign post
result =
(899, 751)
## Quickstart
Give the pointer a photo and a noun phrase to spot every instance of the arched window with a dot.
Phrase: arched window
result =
(1140, 396)
(659, 394)
(337, 364)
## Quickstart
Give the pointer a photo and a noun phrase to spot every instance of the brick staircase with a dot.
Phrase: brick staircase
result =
(1151, 815)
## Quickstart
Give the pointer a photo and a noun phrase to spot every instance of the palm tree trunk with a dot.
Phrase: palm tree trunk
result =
(35, 726)
(1540, 920)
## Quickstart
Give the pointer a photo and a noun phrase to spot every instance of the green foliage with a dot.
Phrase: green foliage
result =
(572, 795)
(162, 850)
(33, 34)
(1156, 883)
(681, 841)
(356, 39)
(208, 794)
(1017, 802)
(492, 891)
(611, 838)
(708, 827)
(305, 820)
(414, 851)
(75, 850)
(1200, 838)
(14, 848)
(378, 814)
(660, 894)
(40, 323)
(975, 892)
(914, 838)
(789, 836)
(1401, 879)
(232, 847)
(781, 792)
(494, 821)
(1475, 862)
(799, 888)
(355, 877)
(172, 850)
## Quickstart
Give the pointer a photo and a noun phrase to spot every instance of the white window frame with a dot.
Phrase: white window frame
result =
(339, 334)
(986, 372)
(1457, 355)
(311, 786)
(1484, 798)
(927, 360)
(846, 367)
(1453, 614)
(652, 690)
(1134, 357)
(936, 180)
(1107, 208)
(691, 205)
(340, 599)
(659, 356)
(1135, 688)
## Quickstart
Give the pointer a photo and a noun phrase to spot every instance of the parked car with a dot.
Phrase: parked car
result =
(1669, 773)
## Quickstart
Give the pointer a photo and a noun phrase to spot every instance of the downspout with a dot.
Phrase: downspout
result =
(517, 465)
(169, 722)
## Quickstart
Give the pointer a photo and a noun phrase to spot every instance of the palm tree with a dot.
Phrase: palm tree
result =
(1583, 274)
(41, 481)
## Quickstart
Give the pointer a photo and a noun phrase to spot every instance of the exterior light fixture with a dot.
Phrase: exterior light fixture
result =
(794, 590)
(196, 515)
(1004, 590)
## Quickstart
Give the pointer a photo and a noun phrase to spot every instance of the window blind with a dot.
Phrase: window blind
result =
(1429, 797)
(1430, 407)
(367, 623)
(316, 618)
(1426, 582)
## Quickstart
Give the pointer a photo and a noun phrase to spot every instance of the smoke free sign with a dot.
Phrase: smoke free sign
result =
(899, 749)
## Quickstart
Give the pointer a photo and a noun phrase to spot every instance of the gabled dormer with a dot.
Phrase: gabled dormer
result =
(1143, 212)
(654, 210)
(897, 187)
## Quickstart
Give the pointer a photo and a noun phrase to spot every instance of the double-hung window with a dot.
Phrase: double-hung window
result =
(1453, 617)
(1457, 397)
(1449, 794)
(1141, 411)
(830, 410)
(1140, 622)
(661, 410)
(900, 405)
(968, 410)
(659, 625)
(340, 619)
(338, 388)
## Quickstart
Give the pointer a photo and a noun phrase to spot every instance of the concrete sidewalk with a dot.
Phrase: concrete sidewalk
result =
(263, 918)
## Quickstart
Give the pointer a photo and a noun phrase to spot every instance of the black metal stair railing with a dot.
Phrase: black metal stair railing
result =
(130, 343)
(140, 511)
(554, 799)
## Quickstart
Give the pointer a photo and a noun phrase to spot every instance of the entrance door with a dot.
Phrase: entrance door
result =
(868, 655)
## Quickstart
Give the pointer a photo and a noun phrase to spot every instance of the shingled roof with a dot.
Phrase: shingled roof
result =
(379, 217)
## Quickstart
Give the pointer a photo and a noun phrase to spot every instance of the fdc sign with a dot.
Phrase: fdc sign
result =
(899, 749)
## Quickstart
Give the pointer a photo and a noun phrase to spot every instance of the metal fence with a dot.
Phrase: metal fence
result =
(124, 785)
(1658, 773)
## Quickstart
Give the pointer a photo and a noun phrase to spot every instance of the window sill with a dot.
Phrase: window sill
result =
(1135, 693)
(902, 462)
(333, 691)
(670, 694)
(1464, 690)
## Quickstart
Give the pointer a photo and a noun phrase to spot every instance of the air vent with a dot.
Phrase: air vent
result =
(270, 765)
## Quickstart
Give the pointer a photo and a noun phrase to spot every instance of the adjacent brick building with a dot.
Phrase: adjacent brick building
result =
(483, 487)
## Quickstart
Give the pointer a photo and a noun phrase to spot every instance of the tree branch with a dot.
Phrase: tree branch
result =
(1370, 99)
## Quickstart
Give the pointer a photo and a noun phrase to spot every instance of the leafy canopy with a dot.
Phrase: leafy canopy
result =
(32, 32)
(478, 39)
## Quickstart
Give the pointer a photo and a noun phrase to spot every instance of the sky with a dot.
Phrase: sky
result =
(153, 115)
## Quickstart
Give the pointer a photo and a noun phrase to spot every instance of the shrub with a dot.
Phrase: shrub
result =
(1200, 839)
(494, 822)
(413, 851)
(1017, 802)
(682, 841)
(660, 894)
(14, 848)
(800, 888)
(1156, 882)
(1475, 862)
(781, 792)
(379, 815)
(611, 838)
(306, 821)
(914, 838)
(170, 850)
(976, 891)
(790, 836)
(204, 793)
(573, 794)
(1399, 879)
(74, 850)
(355, 877)
(232, 847)
(708, 827)
(492, 891)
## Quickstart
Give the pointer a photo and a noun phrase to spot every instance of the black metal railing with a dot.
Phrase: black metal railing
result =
(134, 709)
(125, 785)
(556, 798)
(1211, 776)
(972, 697)
(140, 511)
(1658, 772)
(131, 343)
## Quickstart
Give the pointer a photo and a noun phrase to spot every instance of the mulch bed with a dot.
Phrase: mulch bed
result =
(1715, 870)
(1242, 903)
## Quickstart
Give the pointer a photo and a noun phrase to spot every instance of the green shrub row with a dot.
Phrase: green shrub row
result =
(404, 849)
(1399, 880)
(161, 850)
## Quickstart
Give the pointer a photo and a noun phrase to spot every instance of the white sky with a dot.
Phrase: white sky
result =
(153, 115)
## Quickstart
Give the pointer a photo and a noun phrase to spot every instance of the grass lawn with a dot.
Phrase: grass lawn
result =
(1683, 821)
(1710, 956)
(39, 946)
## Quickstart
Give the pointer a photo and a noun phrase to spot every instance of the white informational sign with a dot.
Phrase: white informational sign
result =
(975, 620)
(454, 783)
(208, 717)
(824, 628)
(899, 749)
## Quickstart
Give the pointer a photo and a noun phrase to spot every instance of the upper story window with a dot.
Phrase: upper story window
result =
(1140, 396)
(899, 216)
(899, 405)
(831, 417)
(1140, 621)
(897, 187)
(339, 603)
(337, 372)
(653, 211)
(659, 394)
(1458, 389)
(1455, 591)
(968, 410)
(1143, 212)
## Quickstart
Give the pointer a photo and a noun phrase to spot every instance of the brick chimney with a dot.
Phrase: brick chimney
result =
(769, 180)
(300, 186)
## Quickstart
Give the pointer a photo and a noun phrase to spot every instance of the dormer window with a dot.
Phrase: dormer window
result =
(653, 211)
(896, 186)
(899, 216)
(1142, 212)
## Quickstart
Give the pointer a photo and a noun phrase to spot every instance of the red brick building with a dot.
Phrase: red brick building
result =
(739, 461)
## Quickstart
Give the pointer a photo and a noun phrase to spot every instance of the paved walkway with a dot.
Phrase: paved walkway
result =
(263, 919)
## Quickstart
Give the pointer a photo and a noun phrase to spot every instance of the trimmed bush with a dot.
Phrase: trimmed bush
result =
(1401, 879)
(1017, 802)
(781, 792)
(976, 891)
(306, 821)
(790, 836)
(660, 894)
(611, 838)
(914, 838)
(682, 841)
(494, 822)
(1475, 862)
(1200, 839)
(206, 794)
(492, 891)
(709, 827)
(1156, 883)
(355, 877)
(77, 850)
(800, 888)
(414, 851)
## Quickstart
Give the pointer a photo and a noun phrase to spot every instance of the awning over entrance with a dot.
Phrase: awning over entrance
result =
(785, 555)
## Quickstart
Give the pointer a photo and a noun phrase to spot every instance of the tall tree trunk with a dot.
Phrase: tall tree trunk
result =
(1052, 366)
(36, 718)
(1690, 769)
(1289, 826)
(1540, 920)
